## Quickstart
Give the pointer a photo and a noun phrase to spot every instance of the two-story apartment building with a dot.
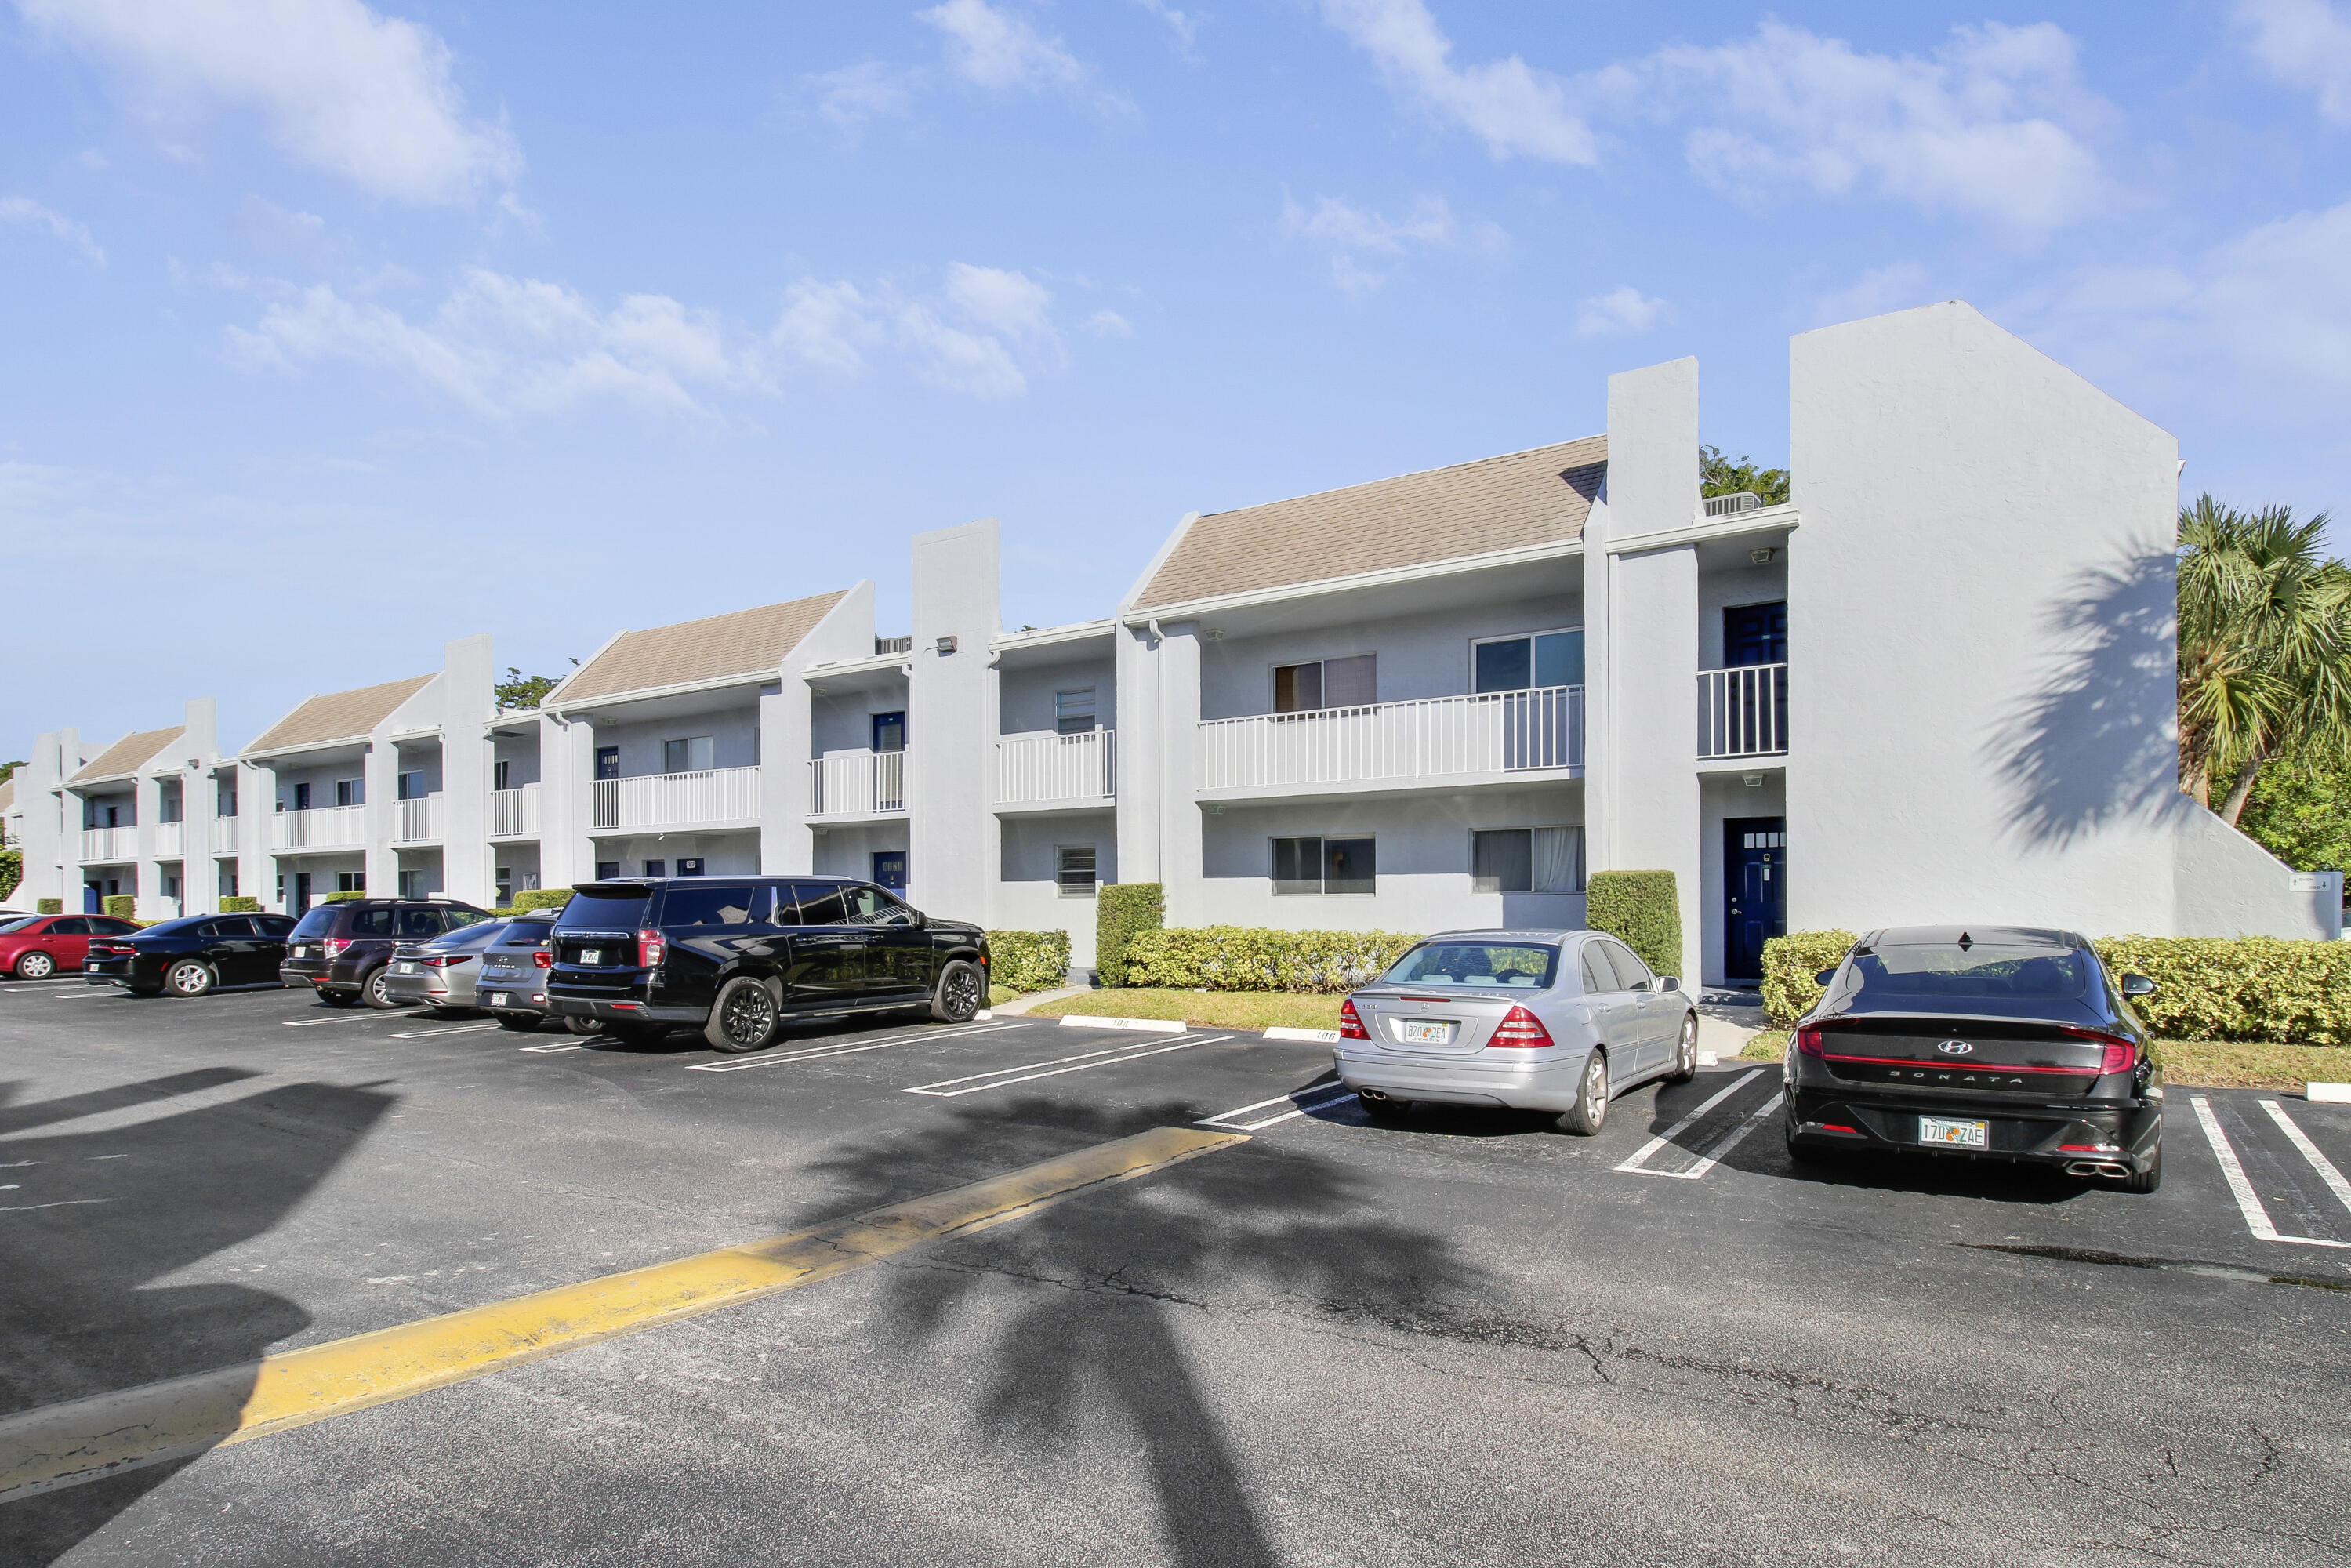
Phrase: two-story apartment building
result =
(1936, 683)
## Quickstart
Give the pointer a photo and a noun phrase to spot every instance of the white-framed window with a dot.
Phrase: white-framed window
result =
(412, 785)
(1326, 865)
(1526, 659)
(1350, 682)
(1073, 868)
(1073, 712)
(500, 771)
(689, 753)
(351, 791)
(1527, 859)
(1764, 841)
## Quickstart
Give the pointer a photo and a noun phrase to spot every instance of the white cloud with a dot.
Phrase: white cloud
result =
(966, 338)
(56, 225)
(1109, 324)
(1622, 312)
(1185, 26)
(830, 325)
(2304, 44)
(999, 49)
(1990, 125)
(1514, 107)
(1352, 235)
(365, 96)
(958, 361)
(856, 94)
(503, 346)
(1008, 302)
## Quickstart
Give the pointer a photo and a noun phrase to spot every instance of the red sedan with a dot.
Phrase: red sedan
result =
(36, 949)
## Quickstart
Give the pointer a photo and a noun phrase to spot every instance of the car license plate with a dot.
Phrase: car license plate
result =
(591, 955)
(1426, 1031)
(408, 969)
(1959, 1134)
(301, 952)
(498, 999)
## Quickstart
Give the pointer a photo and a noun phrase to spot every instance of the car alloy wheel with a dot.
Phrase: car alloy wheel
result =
(190, 978)
(960, 996)
(1595, 1089)
(377, 991)
(36, 967)
(1686, 1053)
(750, 1016)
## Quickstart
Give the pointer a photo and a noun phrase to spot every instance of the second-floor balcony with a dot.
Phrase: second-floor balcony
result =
(1047, 769)
(322, 828)
(223, 835)
(417, 821)
(108, 845)
(709, 798)
(170, 839)
(1743, 712)
(858, 784)
(1457, 740)
(514, 813)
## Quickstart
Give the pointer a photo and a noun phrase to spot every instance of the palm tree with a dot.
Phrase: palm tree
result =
(2264, 644)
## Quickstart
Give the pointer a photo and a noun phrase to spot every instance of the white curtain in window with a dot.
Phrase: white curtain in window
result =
(1559, 859)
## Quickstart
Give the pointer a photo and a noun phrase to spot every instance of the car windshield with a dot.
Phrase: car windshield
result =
(1475, 963)
(1976, 969)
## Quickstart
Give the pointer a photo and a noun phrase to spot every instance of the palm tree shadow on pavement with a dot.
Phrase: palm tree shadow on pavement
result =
(1100, 1284)
(99, 1217)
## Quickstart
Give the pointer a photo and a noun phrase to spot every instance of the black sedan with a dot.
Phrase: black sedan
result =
(1989, 1042)
(190, 956)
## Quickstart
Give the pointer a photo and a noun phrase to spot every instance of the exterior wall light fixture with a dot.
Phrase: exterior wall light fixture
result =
(947, 644)
(1752, 780)
(1761, 555)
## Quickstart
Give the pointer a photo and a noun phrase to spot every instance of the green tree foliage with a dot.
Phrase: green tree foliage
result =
(12, 870)
(2300, 809)
(1719, 476)
(8, 769)
(2264, 646)
(521, 690)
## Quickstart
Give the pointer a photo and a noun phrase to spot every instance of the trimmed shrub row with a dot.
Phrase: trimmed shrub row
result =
(346, 896)
(541, 898)
(1251, 958)
(238, 903)
(1029, 960)
(121, 905)
(1640, 909)
(49, 906)
(2244, 988)
(1121, 910)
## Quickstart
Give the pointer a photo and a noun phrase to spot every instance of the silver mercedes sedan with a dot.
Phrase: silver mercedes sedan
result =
(1537, 1020)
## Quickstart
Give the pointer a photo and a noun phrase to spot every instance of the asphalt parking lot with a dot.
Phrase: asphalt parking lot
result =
(1468, 1339)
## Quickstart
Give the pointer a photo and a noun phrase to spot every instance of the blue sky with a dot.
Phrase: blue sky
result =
(333, 332)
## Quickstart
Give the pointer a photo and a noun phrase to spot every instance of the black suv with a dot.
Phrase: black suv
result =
(736, 957)
(341, 949)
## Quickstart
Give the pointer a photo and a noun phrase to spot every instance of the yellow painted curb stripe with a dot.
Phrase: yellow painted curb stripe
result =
(86, 1439)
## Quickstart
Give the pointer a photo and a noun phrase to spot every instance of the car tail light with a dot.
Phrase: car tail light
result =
(650, 948)
(1351, 1022)
(1839, 1127)
(442, 963)
(543, 959)
(1808, 1041)
(2117, 1054)
(1522, 1029)
(333, 946)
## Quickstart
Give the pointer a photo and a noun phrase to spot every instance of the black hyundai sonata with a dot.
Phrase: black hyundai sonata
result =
(1993, 1043)
(190, 956)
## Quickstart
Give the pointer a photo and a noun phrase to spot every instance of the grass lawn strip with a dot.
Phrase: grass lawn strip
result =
(1206, 1010)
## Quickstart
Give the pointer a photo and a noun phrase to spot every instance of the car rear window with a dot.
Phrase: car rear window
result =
(465, 939)
(608, 907)
(718, 904)
(1476, 964)
(525, 933)
(1976, 969)
(18, 923)
(317, 922)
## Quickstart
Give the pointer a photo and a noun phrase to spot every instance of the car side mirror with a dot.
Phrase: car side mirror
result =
(1824, 976)
(1669, 982)
(2137, 985)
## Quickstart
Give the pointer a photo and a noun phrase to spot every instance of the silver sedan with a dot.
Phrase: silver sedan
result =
(440, 973)
(1537, 1020)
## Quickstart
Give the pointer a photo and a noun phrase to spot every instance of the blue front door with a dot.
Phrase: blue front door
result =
(1755, 892)
(890, 870)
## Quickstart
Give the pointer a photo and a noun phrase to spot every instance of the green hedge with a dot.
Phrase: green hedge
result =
(346, 895)
(1029, 960)
(49, 906)
(1251, 958)
(121, 905)
(1641, 909)
(1123, 910)
(2244, 987)
(541, 898)
(12, 870)
(236, 903)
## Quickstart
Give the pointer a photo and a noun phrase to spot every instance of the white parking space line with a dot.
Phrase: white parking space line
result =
(843, 1048)
(1641, 1155)
(2249, 1203)
(550, 1049)
(453, 1029)
(1325, 1094)
(2318, 1162)
(350, 1017)
(948, 1088)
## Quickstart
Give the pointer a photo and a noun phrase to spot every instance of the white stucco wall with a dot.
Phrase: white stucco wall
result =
(951, 723)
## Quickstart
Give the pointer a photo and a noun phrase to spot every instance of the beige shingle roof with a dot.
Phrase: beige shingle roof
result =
(1512, 502)
(741, 642)
(129, 754)
(338, 715)
(7, 793)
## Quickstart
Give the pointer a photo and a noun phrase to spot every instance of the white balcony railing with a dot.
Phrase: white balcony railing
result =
(1487, 732)
(705, 799)
(1732, 505)
(223, 835)
(514, 813)
(1050, 767)
(168, 838)
(110, 844)
(858, 783)
(322, 828)
(1743, 712)
(418, 820)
